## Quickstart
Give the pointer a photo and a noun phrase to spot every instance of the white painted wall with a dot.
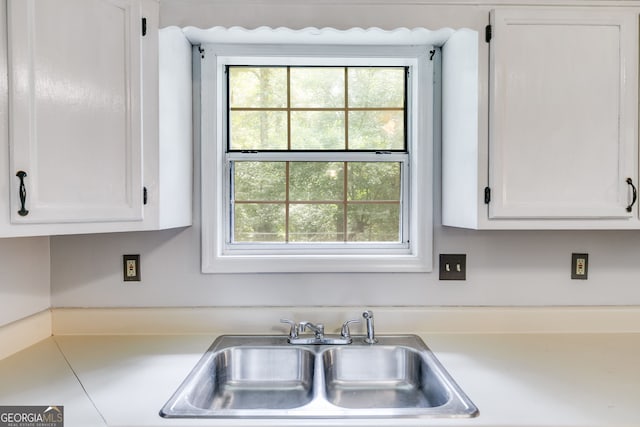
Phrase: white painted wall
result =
(504, 267)
(24, 277)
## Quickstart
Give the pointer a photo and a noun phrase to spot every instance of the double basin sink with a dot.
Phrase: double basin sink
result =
(266, 377)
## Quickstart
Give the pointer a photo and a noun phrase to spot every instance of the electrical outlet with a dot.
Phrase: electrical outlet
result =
(453, 266)
(131, 268)
(579, 266)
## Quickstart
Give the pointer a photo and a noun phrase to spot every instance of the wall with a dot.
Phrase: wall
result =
(24, 277)
(504, 267)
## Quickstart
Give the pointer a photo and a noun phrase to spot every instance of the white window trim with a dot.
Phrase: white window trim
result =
(463, 68)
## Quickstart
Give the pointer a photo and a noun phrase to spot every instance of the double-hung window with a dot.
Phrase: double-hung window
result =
(316, 158)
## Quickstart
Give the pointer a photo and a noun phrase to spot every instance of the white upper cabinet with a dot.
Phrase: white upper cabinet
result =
(563, 133)
(75, 109)
(85, 152)
(563, 95)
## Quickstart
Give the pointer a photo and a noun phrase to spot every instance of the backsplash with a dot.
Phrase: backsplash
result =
(503, 268)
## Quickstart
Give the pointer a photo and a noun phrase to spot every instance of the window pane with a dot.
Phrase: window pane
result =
(374, 181)
(259, 222)
(376, 87)
(258, 87)
(316, 223)
(258, 130)
(316, 181)
(303, 108)
(317, 130)
(376, 130)
(317, 87)
(372, 222)
(259, 181)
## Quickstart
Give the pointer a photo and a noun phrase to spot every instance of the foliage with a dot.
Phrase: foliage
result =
(316, 108)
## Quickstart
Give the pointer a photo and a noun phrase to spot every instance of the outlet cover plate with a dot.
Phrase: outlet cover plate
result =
(579, 266)
(131, 268)
(453, 266)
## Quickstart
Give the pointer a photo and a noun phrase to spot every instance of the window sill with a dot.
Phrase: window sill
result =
(316, 264)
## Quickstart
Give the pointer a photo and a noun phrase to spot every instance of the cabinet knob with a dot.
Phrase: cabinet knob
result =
(635, 194)
(23, 193)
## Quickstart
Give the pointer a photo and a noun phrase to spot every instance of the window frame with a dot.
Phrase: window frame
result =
(414, 256)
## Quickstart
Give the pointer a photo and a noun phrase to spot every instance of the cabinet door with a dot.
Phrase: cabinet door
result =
(75, 114)
(563, 113)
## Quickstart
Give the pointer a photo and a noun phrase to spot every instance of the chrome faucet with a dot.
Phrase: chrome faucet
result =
(319, 337)
(318, 329)
(371, 334)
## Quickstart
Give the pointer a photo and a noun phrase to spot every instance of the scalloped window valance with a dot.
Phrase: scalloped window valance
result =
(319, 36)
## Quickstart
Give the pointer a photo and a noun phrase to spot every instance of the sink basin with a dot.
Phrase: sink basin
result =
(266, 377)
(255, 378)
(381, 377)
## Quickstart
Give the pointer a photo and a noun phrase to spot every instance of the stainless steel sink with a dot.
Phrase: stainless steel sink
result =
(266, 377)
(381, 377)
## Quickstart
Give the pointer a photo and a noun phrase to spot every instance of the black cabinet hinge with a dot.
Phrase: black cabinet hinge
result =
(144, 27)
(144, 195)
(487, 195)
(488, 33)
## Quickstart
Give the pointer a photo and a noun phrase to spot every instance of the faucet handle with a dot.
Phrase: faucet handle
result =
(344, 332)
(293, 332)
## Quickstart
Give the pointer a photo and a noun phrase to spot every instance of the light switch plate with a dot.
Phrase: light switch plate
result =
(453, 266)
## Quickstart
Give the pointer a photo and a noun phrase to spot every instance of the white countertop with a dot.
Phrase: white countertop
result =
(514, 379)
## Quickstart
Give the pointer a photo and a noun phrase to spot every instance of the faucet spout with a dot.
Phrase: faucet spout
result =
(371, 335)
(318, 329)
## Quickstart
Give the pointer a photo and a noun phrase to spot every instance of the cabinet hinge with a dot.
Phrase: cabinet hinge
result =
(144, 195)
(487, 195)
(144, 27)
(488, 33)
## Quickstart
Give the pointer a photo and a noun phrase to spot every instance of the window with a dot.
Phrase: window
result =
(338, 156)
(316, 158)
